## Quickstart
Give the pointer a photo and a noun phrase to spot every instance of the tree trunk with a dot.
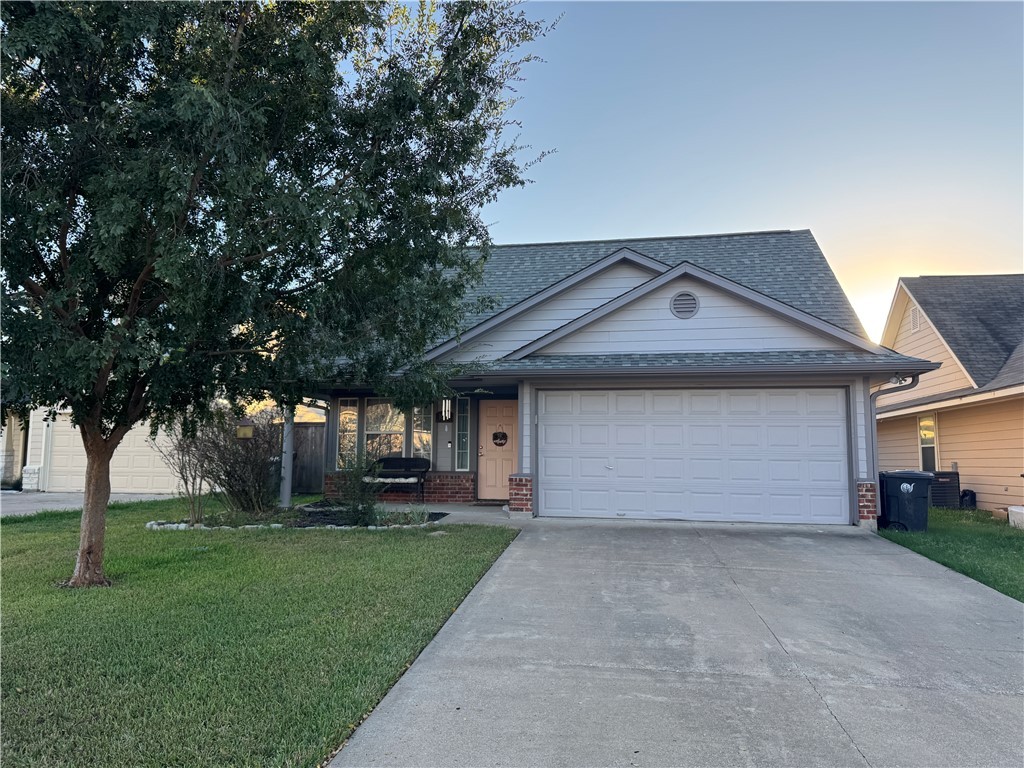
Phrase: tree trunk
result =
(89, 566)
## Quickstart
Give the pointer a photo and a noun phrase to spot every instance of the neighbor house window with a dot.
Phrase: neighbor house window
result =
(422, 431)
(926, 436)
(385, 429)
(348, 426)
(462, 434)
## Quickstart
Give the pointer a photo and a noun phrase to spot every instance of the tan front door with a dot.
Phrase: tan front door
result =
(498, 424)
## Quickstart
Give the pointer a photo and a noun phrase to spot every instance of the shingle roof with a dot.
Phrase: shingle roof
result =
(697, 362)
(785, 265)
(981, 318)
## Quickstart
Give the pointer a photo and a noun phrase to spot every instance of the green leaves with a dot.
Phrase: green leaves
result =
(207, 200)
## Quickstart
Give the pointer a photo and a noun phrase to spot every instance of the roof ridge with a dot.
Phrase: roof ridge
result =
(961, 276)
(650, 239)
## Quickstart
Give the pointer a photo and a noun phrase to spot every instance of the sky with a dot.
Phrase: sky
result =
(893, 131)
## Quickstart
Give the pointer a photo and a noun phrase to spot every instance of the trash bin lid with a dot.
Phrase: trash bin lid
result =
(909, 473)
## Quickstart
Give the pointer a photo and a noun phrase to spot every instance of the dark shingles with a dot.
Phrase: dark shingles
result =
(795, 360)
(981, 318)
(787, 266)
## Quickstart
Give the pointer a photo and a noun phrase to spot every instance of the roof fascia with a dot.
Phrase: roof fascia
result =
(938, 333)
(496, 321)
(688, 269)
(952, 402)
(681, 370)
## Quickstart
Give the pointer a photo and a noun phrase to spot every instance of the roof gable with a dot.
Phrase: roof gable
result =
(784, 265)
(622, 264)
(650, 327)
(979, 317)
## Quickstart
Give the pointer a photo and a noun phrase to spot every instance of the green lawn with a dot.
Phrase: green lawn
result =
(987, 550)
(215, 647)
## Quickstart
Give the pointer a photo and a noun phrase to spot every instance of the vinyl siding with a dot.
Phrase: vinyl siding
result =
(722, 323)
(926, 344)
(897, 444)
(553, 313)
(859, 430)
(987, 442)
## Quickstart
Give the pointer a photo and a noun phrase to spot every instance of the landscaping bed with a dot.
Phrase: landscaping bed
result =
(972, 543)
(249, 647)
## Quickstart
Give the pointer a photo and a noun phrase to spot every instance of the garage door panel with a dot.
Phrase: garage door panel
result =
(773, 455)
(136, 465)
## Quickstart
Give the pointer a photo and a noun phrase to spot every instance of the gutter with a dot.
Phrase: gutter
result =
(872, 400)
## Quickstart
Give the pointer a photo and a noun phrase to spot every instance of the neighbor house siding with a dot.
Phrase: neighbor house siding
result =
(987, 443)
(723, 323)
(554, 313)
(897, 444)
(927, 345)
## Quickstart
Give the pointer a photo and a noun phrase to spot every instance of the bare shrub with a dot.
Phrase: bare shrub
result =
(244, 472)
(183, 454)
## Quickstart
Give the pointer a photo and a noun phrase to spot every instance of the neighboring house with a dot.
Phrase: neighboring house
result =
(968, 415)
(721, 377)
(54, 459)
(49, 456)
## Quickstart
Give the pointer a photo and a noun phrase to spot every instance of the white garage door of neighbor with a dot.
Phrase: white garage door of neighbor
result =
(772, 455)
(136, 466)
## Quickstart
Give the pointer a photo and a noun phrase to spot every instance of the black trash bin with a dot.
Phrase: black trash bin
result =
(905, 500)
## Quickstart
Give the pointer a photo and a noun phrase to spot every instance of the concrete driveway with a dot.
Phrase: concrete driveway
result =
(16, 504)
(629, 644)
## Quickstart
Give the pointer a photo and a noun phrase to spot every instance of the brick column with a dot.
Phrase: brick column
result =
(867, 505)
(520, 495)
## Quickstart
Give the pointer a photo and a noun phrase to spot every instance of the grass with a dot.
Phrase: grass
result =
(972, 543)
(256, 647)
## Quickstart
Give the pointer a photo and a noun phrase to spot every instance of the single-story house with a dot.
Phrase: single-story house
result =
(967, 416)
(718, 378)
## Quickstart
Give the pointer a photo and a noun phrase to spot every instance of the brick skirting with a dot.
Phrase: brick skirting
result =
(440, 488)
(520, 495)
(867, 504)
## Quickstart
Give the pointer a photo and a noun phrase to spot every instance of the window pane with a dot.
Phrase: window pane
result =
(928, 458)
(384, 444)
(462, 434)
(348, 416)
(422, 431)
(381, 416)
(385, 429)
(926, 429)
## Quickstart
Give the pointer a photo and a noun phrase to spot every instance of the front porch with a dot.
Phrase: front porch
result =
(472, 440)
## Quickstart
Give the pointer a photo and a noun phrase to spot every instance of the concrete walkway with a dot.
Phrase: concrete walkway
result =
(16, 504)
(595, 643)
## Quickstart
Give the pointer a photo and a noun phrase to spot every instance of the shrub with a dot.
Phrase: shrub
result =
(244, 472)
(184, 456)
(356, 498)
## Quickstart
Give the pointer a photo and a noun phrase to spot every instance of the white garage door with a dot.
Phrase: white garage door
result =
(774, 455)
(136, 466)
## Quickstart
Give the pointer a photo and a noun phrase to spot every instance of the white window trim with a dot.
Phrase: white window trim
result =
(469, 436)
(935, 426)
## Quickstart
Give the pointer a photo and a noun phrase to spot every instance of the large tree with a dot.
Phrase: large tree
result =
(205, 200)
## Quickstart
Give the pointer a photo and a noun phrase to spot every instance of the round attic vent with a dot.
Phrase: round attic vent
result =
(684, 305)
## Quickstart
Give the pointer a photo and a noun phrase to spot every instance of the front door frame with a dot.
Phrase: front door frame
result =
(484, 431)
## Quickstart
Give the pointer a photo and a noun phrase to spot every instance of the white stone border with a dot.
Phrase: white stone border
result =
(163, 525)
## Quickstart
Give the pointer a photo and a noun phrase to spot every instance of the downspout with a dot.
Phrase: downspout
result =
(874, 415)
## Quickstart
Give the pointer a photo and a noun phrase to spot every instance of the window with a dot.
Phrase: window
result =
(926, 436)
(385, 429)
(348, 425)
(422, 431)
(462, 434)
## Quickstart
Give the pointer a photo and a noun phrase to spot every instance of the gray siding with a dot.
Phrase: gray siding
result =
(723, 323)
